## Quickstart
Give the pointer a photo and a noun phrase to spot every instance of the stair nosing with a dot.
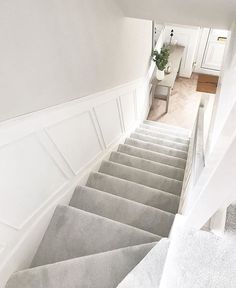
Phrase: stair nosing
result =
(125, 199)
(145, 172)
(154, 162)
(158, 153)
(171, 126)
(159, 146)
(154, 174)
(131, 156)
(163, 130)
(86, 256)
(163, 139)
(121, 179)
(120, 223)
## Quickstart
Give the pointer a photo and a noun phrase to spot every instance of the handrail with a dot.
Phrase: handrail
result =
(195, 161)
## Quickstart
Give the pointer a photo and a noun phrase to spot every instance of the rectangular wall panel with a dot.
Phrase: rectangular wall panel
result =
(29, 177)
(128, 109)
(77, 140)
(108, 117)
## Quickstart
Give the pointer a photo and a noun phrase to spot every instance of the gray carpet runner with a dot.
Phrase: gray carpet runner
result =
(117, 219)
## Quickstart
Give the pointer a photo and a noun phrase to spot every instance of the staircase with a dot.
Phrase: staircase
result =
(123, 214)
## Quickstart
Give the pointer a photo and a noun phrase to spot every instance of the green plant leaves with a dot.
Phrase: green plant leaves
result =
(161, 59)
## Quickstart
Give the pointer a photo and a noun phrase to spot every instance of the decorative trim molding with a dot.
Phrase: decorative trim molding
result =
(74, 170)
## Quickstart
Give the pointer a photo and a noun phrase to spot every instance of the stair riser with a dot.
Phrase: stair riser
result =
(162, 136)
(156, 168)
(159, 141)
(171, 128)
(135, 192)
(141, 177)
(122, 210)
(164, 131)
(156, 148)
(75, 233)
(152, 156)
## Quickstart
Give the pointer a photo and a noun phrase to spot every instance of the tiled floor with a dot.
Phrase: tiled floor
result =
(183, 106)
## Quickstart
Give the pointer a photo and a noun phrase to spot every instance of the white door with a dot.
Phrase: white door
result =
(214, 50)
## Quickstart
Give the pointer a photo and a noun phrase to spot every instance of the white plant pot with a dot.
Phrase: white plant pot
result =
(160, 74)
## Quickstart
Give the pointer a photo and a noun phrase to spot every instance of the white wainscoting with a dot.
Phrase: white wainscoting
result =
(109, 118)
(44, 155)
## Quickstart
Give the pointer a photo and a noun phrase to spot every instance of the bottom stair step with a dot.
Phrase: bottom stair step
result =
(133, 191)
(122, 210)
(104, 270)
(74, 233)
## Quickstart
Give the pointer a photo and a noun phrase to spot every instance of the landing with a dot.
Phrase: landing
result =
(184, 102)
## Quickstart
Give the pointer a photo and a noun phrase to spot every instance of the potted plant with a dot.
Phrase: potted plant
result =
(161, 60)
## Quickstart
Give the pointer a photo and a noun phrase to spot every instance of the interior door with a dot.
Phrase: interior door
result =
(214, 51)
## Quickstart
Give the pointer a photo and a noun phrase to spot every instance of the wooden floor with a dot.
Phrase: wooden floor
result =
(184, 103)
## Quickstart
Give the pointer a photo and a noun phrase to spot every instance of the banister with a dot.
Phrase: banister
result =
(195, 161)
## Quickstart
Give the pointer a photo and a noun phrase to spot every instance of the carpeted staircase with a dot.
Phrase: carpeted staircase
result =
(117, 219)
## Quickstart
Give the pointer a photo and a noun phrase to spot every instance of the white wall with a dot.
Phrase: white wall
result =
(208, 13)
(45, 154)
(226, 93)
(188, 37)
(52, 52)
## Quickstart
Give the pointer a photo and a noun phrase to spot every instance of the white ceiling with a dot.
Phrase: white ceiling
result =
(207, 13)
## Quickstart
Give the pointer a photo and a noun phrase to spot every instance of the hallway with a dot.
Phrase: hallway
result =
(183, 106)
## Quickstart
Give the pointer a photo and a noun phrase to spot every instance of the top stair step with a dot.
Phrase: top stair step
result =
(164, 126)
(166, 130)
(147, 138)
(163, 137)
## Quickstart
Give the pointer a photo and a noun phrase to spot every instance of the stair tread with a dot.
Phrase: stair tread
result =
(156, 148)
(168, 139)
(152, 155)
(158, 141)
(142, 177)
(171, 128)
(165, 131)
(97, 270)
(147, 165)
(111, 224)
(134, 191)
(75, 233)
(123, 210)
(150, 269)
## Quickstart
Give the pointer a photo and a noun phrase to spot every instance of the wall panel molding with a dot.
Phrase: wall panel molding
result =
(77, 140)
(23, 166)
(44, 155)
(109, 119)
